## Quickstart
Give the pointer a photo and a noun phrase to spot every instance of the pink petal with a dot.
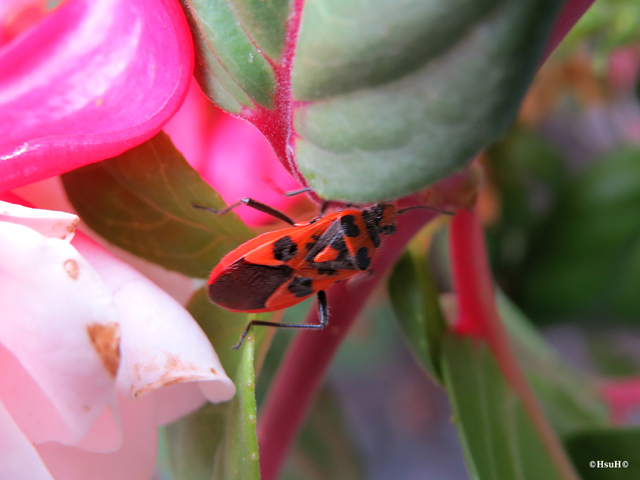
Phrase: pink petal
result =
(50, 193)
(241, 163)
(92, 80)
(135, 460)
(17, 16)
(231, 155)
(176, 401)
(105, 435)
(63, 331)
(161, 343)
(48, 223)
(18, 457)
(189, 128)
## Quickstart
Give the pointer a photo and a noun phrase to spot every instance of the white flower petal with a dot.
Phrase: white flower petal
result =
(161, 343)
(59, 321)
(19, 458)
(46, 222)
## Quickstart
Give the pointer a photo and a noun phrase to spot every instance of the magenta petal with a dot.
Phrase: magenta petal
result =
(92, 80)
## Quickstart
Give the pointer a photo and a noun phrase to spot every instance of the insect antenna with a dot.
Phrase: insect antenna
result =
(293, 193)
(442, 212)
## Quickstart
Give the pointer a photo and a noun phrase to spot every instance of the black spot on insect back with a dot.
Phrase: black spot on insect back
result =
(327, 271)
(369, 219)
(362, 259)
(348, 227)
(301, 287)
(284, 249)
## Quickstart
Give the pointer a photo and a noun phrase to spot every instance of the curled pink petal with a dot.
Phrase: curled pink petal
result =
(161, 343)
(93, 79)
(135, 460)
(66, 336)
(19, 458)
(48, 223)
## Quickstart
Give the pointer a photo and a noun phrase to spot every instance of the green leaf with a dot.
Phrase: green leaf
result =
(371, 100)
(498, 440)
(219, 441)
(142, 200)
(235, 43)
(586, 260)
(571, 400)
(238, 455)
(323, 450)
(607, 445)
(528, 174)
(416, 305)
(399, 96)
(192, 441)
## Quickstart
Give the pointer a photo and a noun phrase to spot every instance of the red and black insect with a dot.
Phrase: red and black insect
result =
(282, 268)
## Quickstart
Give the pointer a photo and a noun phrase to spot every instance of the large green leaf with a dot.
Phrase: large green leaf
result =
(606, 445)
(499, 441)
(371, 100)
(218, 442)
(142, 201)
(416, 305)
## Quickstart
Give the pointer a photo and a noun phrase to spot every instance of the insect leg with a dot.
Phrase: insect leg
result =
(249, 202)
(323, 312)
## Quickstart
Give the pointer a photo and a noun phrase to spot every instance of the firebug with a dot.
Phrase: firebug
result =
(279, 269)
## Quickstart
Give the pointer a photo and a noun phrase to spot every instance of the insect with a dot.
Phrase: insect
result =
(282, 268)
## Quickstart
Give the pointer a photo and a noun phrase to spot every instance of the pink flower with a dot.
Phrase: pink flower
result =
(88, 337)
(232, 156)
(90, 81)
(94, 356)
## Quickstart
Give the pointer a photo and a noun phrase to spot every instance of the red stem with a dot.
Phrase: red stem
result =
(310, 354)
(478, 316)
(569, 15)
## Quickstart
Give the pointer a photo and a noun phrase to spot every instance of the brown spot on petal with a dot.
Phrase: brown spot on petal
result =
(164, 381)
(213, 371)
(71, 266)
(106, 341)
(175, 363)
(72, 226)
